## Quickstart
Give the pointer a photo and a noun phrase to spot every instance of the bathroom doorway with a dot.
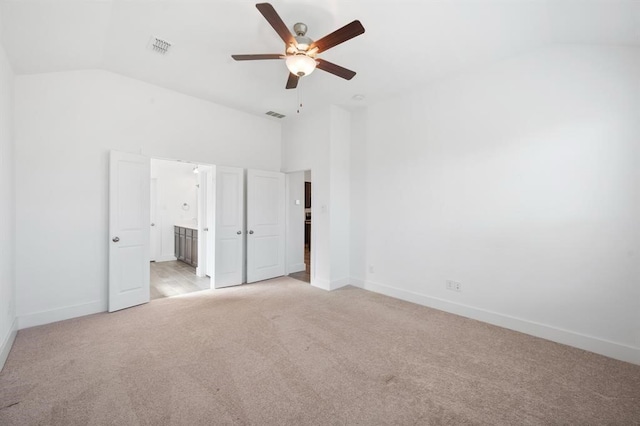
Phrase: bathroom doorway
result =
(179, 233)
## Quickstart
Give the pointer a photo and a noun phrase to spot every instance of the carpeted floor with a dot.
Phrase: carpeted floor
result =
(284, 353)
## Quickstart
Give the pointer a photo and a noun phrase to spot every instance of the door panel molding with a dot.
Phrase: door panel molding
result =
(266, 225)
(230, 235)
(129, 213)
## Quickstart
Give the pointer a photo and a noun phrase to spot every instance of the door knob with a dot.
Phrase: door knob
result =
(239, 232)
(251, 232)
(153, 224)
(206, 229)
(115, 239)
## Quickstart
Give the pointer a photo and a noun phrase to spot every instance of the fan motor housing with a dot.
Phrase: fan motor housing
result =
(303, 43)
(300, 29)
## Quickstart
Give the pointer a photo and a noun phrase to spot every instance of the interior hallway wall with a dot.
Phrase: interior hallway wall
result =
(521, 182)
(7, 210)
(320, 142)
(305, 146)
(340, 205)
(66, 123)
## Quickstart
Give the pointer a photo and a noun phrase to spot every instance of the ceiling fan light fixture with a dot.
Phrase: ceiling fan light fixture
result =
(300, 51)
(301, 64)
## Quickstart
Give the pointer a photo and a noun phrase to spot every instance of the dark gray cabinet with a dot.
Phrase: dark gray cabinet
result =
(186, 245)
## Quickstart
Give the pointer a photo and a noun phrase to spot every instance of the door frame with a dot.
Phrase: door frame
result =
(312, 251)
(200, 227)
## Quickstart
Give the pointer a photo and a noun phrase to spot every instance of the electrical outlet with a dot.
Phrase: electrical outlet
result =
(453, 286)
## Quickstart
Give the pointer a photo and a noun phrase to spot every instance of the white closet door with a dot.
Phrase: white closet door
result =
(129, 201)
(230, 241)
(265, 225)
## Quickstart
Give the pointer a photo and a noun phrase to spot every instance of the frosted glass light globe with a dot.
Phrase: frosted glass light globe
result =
(301, 65)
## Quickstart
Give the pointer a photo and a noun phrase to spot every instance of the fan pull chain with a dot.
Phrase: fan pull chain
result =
(299, 91)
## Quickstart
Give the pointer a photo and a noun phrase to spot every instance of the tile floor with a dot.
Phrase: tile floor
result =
(174, 278)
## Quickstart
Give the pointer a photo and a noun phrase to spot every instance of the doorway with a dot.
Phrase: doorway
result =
(300, 219)
(179, 232)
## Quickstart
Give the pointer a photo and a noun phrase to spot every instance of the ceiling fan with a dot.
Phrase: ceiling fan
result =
(300, 51)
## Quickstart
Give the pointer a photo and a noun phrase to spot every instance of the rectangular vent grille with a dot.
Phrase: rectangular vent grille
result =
(160, 46)
(274, 114)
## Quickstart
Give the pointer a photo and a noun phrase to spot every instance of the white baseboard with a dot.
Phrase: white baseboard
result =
(296, 267)
(336, 284)
(322, 284)
(555, 334)
(7, 343)
(54, 315)
(165, 259)
(330, 285)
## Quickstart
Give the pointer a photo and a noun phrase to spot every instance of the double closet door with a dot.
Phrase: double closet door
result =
(250, 226)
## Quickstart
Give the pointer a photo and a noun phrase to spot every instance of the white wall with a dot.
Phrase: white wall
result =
(358, 198)
(305, 146)
(66, 123)
(339, 154)
(320, 142)
(176, 185)
(521, 182)
(295, 221)
(7, 210)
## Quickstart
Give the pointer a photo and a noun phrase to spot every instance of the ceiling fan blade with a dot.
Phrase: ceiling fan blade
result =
(292, 81)
(257, 57)
(335, 69)
(341, 35)
(276, 22)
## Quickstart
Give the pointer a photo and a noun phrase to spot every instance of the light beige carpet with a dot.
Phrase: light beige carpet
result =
(284, 353)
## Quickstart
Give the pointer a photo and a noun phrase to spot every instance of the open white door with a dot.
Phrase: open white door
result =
(154, 238)
(229, 221)
(265, 225)
(211, 224)
(206, 223)
(129, 200)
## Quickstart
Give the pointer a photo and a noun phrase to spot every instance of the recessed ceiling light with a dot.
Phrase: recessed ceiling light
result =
(358, 97)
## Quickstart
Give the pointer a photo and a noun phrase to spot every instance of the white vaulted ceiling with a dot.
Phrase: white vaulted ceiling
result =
(406, 43)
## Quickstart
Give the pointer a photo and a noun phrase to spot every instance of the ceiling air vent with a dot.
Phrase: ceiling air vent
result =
(274, 114)
(159, 45)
